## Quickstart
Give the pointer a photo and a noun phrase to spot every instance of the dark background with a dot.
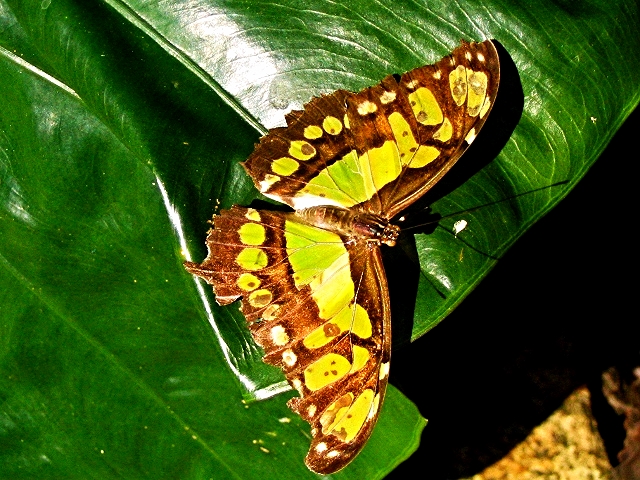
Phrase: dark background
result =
(553, 315)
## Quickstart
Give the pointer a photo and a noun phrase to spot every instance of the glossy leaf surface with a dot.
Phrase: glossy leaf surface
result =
(110, 367)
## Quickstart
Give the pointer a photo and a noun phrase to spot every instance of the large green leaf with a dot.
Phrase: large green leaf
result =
(109, 364)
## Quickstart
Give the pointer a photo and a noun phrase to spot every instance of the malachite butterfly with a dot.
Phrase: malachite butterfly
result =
(311, 282)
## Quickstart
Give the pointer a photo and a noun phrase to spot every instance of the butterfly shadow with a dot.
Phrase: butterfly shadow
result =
(524, 339)
(401, 263)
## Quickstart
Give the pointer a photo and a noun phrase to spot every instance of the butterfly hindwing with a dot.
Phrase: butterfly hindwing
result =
(320, 309)
(343, 414)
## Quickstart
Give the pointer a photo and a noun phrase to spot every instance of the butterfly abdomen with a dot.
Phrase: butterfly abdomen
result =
(353, 224)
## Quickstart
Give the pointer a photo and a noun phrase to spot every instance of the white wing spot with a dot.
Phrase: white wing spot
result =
(387, 97)
(374, 407)
(321, 447)
(367, 107)
(471, 136)
(289, 358)
(480, 57)
(333, 454)
(412, 84)
(269, 180)
(467, 55)
(384, 370)
(437, 74)
(311, 410)
(279, 335)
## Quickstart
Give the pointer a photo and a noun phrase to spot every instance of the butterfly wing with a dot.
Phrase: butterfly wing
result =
(380, 149)
(319, 307)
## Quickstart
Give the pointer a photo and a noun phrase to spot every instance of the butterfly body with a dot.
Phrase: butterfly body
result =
(311, 282)
(352, 224)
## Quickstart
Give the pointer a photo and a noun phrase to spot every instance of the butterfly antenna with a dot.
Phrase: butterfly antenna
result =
(473, 209)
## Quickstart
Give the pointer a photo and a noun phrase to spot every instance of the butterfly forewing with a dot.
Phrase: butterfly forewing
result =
(382, 148)
(314, 291)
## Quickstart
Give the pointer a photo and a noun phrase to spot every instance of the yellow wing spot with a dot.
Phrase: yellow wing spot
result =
(312, 132)
(425, 107)
(301, 150)
(458, 84)
(358, 321)
(445, 132)
(411, 154)
(385, 163)
(345, 120)
(248, 282)
(412, 84)
(252, 234)
(269, 313)
(471, 136)
(332, 125)
(384, 370)
(480, 56)
(360, 358)
(423, 156)
(387, 97)
(404, 138)
(352, 422)
(279, 335)
(361, 323)
(289, 358)
(284, 166)
(268, 181)
(334, 412)
(331, 296)
(328, 369)
(311, 410)
(260, 298)
(437, 74)
(485, 107)
(252, 259)
(367, 107)
(477, 91)
(252, 214)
